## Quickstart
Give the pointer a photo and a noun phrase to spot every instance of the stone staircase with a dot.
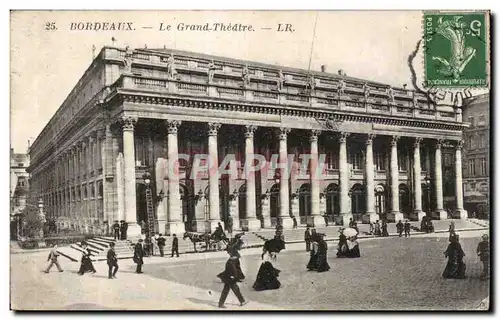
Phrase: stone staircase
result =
(98, 248)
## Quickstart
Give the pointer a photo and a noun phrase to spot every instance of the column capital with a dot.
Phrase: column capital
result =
(173, 126)
(283, 132)
(249, 131)
(101, 133)
(439, 143)
(128, 122)
(459, 145)
(83, 144)
(417, 142)
(369, 138)
(343, 137)
(314, 134)
(91, 138)
(394, 140)
(213, 128)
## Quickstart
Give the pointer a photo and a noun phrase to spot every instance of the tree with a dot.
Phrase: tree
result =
(32, 224)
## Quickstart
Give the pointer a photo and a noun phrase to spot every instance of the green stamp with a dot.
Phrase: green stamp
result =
(456, 49)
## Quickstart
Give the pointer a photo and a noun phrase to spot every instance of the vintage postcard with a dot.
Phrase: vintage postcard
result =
(250, 160)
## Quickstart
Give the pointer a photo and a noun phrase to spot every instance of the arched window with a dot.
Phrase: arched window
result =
(404, 199)
(332, 199)
(305, 200)
(380, 199)
(358, 204)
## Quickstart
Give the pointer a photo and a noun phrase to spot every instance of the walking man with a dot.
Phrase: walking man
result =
(407, 228)
(53, 259)
(112, 261)
(138, 256)
(116, 229)
(307, 238)
(483, 251)
(175, 246)
(399, 227)
(230, 276)
(161, 244)
(294, 219)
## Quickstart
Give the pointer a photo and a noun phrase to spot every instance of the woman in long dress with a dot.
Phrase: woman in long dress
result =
(312, 265)
(455, 268)
(322, 260)
(267, 277)
(352, 248)
(86, 262)
(342, 246)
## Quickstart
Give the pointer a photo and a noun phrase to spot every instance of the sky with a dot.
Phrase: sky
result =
(46, 64)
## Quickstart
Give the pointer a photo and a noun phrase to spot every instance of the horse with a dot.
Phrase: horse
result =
(197, 237)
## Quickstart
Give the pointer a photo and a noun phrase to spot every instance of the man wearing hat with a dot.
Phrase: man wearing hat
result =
(123, 229)
(483, 251)
(307, 239)
(116, 230)
(231, 275)
(112, 261)
(138, 256)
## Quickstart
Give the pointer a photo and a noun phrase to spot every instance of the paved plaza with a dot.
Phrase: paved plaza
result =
(393, 273)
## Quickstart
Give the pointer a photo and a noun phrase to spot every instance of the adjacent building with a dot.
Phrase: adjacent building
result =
(19, 179)
(477, 155)
(387, 151)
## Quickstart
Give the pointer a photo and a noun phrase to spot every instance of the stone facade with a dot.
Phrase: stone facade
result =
(135, 111)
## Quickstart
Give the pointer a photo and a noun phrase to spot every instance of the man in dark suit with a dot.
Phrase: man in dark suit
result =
(175, 246)
(230, 277)
(407, 228)
(138, 256)
(116, 230)
(123, 229)
(307, 238)
(161, 244)
(112, 261)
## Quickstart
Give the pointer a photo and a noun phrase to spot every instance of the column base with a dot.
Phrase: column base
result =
(346, 218)
(177, 227)
(440, 215)
(287, 223)
(253, 224)
(267, 222)
(236, 224)
(395, 216)
(316, 221)
(370, 217)
(133, 232)
(461, 214)
(417, 215)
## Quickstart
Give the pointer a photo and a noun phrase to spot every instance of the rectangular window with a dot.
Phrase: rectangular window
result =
(482, 120)
(379, 161)
(482, 141)
(356, 160)
(473, 187)
(483, 166)
(473, 142)
(332, 161)
(402, 164)
(472, 167)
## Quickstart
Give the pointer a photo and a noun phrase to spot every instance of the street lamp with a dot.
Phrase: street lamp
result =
(427, 182)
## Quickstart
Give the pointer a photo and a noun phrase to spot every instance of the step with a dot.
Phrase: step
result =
(100, 242)
(97, 245)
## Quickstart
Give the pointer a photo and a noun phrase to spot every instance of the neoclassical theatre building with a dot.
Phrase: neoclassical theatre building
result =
(389, 154)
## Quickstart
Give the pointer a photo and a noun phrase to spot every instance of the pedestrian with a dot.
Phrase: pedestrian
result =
(123, 230)
(154, 246)
(138, 256)
(112, 261)
(372, 228)
(116, 229)
(451, 230)
(455, 268)
(377, 229)
(86, 262)
(342, 245)
(407, 228)
(399, 228)
(322, 258)
(295, 225)
(384, 229)
(351, 223)
(161, 244)
(483, 251)
(175, 246)
(53, 259)
(307, 239)
(230, 277)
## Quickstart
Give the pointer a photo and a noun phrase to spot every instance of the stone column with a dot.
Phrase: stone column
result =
(370, 215)
(213, 176)
(345, 212)
(418, 214)
(460, 213)
(251, 211)
(120, 188)
(440, 213)
(316, 219)
(395, 214)
(134, 230)
(286, 220)
(174, 223)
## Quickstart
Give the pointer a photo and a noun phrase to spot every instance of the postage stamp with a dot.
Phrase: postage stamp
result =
(456, 48)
